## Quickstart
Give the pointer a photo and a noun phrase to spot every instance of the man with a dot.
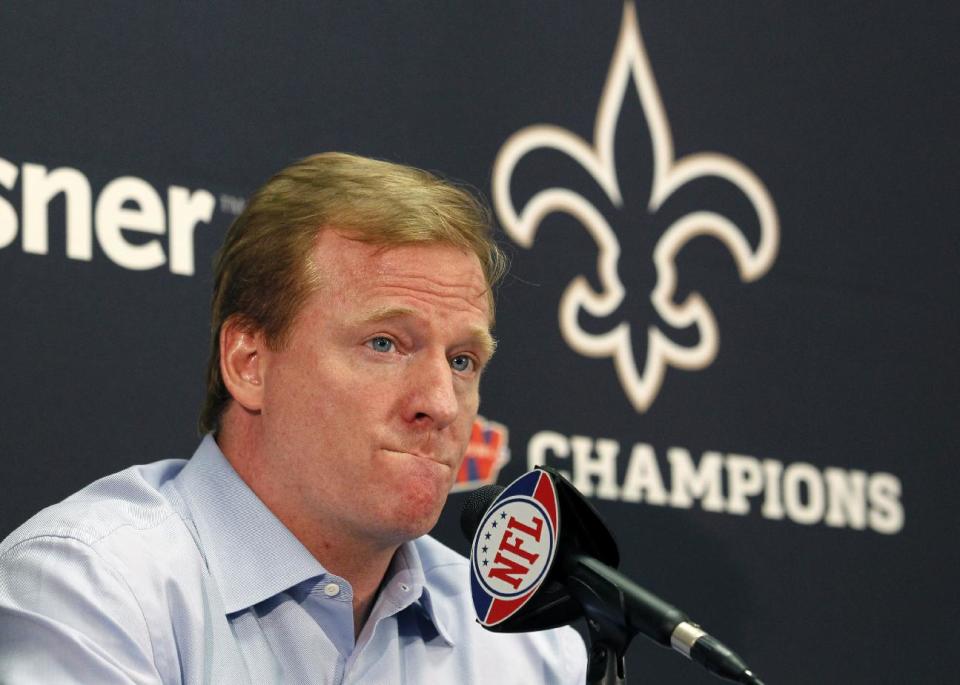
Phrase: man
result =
(351, 324)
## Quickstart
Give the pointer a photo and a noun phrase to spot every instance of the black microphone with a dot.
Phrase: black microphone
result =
(583, 580)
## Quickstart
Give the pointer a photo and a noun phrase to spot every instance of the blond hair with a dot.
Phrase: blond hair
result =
(263, 274)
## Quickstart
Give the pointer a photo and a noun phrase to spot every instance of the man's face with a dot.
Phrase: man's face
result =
(367, 410)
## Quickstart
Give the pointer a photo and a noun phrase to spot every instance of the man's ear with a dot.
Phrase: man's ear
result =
(241, 362)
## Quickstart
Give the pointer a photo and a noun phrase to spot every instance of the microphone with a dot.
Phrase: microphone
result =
(528, 575)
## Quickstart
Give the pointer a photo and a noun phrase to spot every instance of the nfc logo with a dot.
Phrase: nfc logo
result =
(513, 547)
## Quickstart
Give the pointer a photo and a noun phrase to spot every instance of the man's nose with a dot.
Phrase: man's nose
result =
(433, 398)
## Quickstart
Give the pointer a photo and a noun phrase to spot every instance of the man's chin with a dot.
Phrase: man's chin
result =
(417, 516)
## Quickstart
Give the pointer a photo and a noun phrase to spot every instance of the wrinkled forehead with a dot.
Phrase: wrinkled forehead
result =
(439, 269)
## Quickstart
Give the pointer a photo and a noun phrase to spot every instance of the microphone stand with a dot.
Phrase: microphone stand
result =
(604, 608)
(617, 609)
(605, 665)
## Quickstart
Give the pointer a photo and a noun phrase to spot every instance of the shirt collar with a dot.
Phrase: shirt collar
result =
(252, 556)
(406, 571)
(249, 552)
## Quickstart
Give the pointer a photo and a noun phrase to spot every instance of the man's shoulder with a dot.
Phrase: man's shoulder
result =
(129, 500)
(101, 578)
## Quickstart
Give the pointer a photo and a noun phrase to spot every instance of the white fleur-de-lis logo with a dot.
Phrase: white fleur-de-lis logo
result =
(669, 174)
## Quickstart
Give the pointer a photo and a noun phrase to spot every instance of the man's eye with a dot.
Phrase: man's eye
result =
(462, 363)
(381, 344)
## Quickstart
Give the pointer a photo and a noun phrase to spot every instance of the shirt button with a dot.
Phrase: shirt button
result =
(331, 589)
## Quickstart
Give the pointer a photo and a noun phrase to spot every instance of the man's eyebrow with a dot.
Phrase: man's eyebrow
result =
(384, 313)
(480, 334)
(485, 340)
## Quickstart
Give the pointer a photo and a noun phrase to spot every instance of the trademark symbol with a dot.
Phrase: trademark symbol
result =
(231, 204)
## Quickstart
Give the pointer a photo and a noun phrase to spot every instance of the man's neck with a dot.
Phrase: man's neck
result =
(348, 554)
(364, 566)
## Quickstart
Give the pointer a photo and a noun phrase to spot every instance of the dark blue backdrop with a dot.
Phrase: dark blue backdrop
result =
(793, 488)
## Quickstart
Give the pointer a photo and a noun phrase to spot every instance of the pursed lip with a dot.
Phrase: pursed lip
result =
(419, 455)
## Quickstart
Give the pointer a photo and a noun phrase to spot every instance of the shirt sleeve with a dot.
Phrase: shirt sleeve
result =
(67, 617)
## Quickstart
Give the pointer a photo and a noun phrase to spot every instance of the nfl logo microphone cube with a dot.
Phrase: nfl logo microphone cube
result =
(514, 547)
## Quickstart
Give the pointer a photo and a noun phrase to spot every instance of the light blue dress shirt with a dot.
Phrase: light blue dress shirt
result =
(175, 572)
